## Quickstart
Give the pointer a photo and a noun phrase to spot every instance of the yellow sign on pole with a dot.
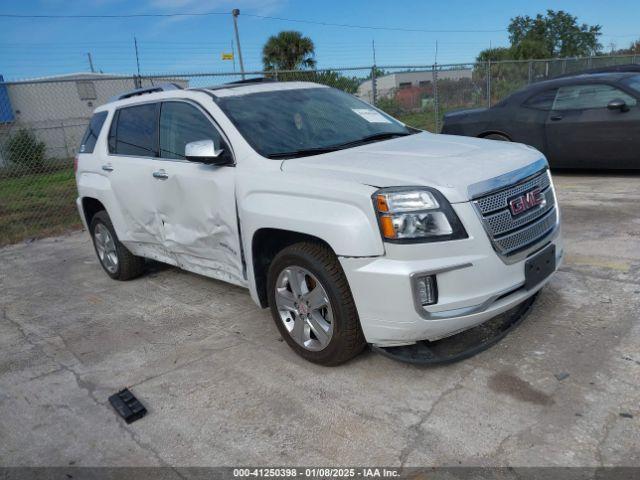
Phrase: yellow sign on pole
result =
(227, 56)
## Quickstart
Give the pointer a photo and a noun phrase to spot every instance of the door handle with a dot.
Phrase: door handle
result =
(160, 174)
(107, 167)
(555, 118)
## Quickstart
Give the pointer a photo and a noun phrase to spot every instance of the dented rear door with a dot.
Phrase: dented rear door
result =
(132, 144)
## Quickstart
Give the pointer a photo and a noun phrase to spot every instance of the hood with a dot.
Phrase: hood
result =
(446, 162)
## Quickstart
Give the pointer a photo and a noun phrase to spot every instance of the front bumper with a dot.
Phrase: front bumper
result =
(474, 285)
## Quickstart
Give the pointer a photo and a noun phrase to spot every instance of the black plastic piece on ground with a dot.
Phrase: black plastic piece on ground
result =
(127, 406)
(462, 345)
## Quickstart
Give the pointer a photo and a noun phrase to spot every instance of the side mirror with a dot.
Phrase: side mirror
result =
(205, 151)
(618, 104)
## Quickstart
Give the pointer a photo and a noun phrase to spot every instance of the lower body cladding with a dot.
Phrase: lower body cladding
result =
(473, 285)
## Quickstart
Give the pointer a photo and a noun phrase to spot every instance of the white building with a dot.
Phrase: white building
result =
(388, 85)
(57, 109)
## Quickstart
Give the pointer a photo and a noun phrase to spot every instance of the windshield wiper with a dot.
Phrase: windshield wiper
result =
(372, 138)
(302, 153)
(332, 148)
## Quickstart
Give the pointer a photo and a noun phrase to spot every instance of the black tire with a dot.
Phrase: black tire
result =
(128, 266)
(347, 339)
(497, 136)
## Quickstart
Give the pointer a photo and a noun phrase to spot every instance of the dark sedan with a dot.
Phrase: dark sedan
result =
(583, 121)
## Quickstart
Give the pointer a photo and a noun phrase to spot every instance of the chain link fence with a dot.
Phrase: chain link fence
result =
(42, 121)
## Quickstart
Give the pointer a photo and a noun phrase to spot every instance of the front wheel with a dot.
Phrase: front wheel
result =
(312, 305)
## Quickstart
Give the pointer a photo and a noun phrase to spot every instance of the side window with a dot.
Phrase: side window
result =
(181, 123)
(90, 137)
(542, 100)
(582, 97)
(134, 131)
(111, 139)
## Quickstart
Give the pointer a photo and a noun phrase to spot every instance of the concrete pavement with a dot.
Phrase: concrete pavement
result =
(222, 388)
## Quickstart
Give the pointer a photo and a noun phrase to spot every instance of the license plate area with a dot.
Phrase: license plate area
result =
(539, 267)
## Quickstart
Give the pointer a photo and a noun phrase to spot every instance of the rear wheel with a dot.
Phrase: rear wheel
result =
(116, 260)
(497, 136)
(312, 305)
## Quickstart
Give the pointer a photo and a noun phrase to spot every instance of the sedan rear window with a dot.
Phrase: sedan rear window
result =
(543, 100)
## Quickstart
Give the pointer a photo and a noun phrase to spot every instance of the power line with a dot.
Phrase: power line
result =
(121, 15)
(264, 17)
(370, 27)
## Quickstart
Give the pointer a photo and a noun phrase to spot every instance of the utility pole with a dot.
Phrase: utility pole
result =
(374, 84)
(90, 62)
(233, 53)
(137, 81)
(235, 12)
(436, 99)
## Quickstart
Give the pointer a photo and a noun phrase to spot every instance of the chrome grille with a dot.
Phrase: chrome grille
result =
(498, 201)
(511, 234)
(515, 241)
(502, 221)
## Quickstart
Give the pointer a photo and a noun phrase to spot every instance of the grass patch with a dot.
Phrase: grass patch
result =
(38, 205)
(421, 120)
(426, 119)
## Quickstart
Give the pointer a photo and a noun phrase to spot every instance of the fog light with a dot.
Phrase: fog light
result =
(425, 290)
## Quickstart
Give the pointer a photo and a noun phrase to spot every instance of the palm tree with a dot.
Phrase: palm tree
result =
(288, 50)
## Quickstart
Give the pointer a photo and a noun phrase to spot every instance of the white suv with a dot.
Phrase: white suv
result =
(350, 226)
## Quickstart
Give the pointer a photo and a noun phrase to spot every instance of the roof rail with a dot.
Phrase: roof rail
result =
(163, 87)
(252, 80)
(239, 83)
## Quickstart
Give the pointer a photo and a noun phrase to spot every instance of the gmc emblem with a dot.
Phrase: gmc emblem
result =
(526, 201)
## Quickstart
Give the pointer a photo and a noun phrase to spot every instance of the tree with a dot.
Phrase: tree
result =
(326, 77)
(494, 54)
(556, 34)
(634, 49)
(24, 149)
(289, 50)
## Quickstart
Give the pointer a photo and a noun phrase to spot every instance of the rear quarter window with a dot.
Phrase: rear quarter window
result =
(542, 100)
(633, 82)
(92, 132)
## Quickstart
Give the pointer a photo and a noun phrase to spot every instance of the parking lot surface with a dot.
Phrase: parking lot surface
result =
(222, 388)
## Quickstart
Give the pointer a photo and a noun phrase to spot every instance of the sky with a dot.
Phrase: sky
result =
(460, 29)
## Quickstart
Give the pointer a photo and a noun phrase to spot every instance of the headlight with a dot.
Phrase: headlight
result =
(414, 214)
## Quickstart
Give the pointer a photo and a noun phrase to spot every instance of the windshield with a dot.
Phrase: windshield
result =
(633, 82)
(301, 122)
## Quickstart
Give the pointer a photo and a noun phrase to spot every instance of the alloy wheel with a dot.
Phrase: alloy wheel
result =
(304, 308)
(106, 248)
